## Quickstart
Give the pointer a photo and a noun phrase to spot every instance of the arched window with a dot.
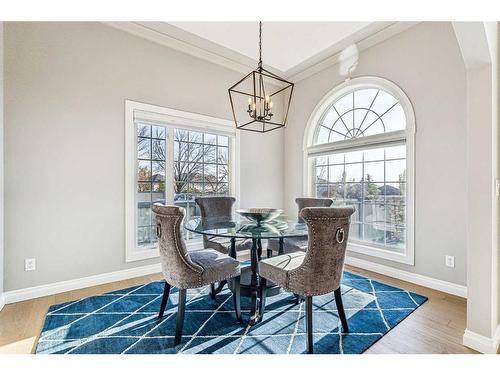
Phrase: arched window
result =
(359, 147)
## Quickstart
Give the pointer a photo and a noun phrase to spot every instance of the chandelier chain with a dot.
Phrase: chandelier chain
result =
(260, 44)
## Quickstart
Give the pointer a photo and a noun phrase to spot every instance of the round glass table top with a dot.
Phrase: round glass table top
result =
(225, 227)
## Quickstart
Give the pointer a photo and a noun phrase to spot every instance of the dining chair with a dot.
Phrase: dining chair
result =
(317, 271)
(222, 208)
(185, 269)
(296, 243)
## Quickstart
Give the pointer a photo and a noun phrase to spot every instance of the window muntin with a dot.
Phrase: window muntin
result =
(150, 182)
(200, 164)
(374, 181)
(360, 113)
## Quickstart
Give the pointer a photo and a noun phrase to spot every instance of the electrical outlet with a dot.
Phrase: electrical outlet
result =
(30, 264)
(450, 261)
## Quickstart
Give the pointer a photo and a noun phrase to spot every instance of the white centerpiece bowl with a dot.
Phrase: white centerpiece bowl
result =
(260, 215)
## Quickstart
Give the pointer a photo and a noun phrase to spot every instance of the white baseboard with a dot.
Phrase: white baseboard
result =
(429, 282)
(2, 301)
(84, 282)
(482, 343)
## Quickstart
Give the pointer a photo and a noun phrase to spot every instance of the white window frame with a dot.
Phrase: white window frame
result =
(171, 119)
(310, 150)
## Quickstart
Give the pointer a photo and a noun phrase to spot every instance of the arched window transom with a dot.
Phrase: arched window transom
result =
(361, 113)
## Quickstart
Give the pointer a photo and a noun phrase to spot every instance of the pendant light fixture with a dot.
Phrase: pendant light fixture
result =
(260, 101)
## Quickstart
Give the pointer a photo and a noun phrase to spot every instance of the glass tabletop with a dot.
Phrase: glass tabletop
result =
(224, 227)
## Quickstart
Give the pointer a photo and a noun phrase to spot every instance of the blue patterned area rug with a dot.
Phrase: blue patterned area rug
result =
(125, 321)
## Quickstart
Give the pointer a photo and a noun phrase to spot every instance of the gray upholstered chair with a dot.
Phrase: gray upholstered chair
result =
(317, 271)
(221, 207)
(297, 243)
(185, 269)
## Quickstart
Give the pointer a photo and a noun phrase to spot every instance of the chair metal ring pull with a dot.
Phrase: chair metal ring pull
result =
(158, 230)
(340, 235)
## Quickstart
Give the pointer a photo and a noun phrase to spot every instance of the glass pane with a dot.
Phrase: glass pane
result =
(158, 149)
(395, 171)
(336, 159)
(196, 137)
(344, 104)
(143, 187)
(336, 191)
(222, 155)
(222, 173)
(323, 134)
(329, 118)
(143, 236)
(383, 102)
(210, 154)
(143, 170)
(375, 154)
(322, 174)
(336, 173)
(143, 130)
(356, 231)
(158, 171)
(143, 148)
(374, 171)
(321, 160)
(354, 156)
(158, 132)
(195, 152)
(181, 135)
(322, 191)
(364, 98)
(353, 172)
(395, 152)
(144, 214)
(374, 233)
(210, 139)
(396, 237)
(222, 140)
(395, 119)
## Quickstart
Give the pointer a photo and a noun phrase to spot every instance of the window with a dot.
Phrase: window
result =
(176, 156)
(359, 152)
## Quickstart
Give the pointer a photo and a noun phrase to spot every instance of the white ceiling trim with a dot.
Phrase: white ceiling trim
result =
(176, 38)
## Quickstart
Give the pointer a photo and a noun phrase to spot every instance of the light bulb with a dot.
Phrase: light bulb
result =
(267, 98)
(249, 100)
(271, 105)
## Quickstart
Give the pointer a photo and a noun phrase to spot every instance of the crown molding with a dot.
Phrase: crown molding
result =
(181, 40)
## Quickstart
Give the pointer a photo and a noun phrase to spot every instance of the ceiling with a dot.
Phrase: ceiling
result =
(293, 50)
(285, 44)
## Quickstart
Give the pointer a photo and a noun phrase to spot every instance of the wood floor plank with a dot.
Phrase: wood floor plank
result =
(435, 327)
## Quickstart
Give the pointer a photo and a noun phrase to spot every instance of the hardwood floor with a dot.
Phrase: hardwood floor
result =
(436, 327)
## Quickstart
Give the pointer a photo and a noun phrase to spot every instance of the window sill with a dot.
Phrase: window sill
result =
(406, 257)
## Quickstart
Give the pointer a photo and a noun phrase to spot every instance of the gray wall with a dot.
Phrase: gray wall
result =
(1, 163)
(426, 63)
(65, 86)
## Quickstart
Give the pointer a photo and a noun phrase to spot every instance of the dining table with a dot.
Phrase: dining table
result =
(225, 227)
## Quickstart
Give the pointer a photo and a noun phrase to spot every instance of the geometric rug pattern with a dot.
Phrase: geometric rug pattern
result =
(125, 322)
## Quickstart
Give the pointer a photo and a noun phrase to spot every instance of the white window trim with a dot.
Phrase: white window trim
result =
(408, 135)
(170, 118)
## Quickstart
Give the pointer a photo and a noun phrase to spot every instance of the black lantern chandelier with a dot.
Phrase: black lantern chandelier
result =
(260, 101)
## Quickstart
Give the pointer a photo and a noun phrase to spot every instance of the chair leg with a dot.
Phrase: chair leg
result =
(340, 309)
(236, 298)
(262, 296)
(212, 290)
(309, 329)
(269, 253)
(164, 300)
(181, 308)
